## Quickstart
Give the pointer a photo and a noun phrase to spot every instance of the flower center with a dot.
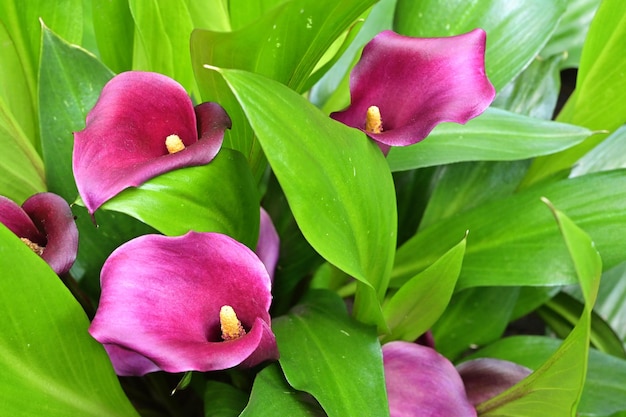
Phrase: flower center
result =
(33, 246)
(230, 324)
(174, 144)
(373, 121)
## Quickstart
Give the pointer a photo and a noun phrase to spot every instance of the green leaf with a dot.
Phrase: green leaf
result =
(594, 103)
(535, 91)
(604, 392)
(22, 21)
(272, 396)
(513, 241)
(114, 29)
(561, 313)
(336, 181)
(516, 30)
(606, 156)
(416, 305)
(569, 36)
(285, 44)
(463, 326)
(463, 186)
(218, 197)
(70, 82)
(14, 88)
(555, 388)
(336, 359)
(51, 366)
(162, 31)
(21, 168)
(496, 135)
(223, 400)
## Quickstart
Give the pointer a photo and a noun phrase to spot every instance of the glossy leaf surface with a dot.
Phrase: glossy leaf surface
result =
(50, 364)
(348, 211)
(218, 197)
(320, 328)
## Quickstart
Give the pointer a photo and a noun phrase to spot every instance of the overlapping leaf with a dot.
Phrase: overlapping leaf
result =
(50, 364)
(336, 182)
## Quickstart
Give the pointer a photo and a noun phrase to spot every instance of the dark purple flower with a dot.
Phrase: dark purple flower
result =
(422, 383)
(194, 302)
(268, 245)
(485, 378)
(46, 224)
(143, 125)
(402, 87)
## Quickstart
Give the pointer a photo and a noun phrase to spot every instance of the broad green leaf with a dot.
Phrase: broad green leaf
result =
(285, 44)
(22, 21)
(606, 156)
(210, 14)
(14, 88)
(535, 91)
(561, 313)
(474, 317)
(496, 135)
(272, 396)
(244, 12)
(514, 241)
(51, 366)
(604, 392)
(570, 34)
(70, 82)
(162, 31)
(114, 29)
(333, 357)
(21, 168)
(516, 29)
(223, 400)
(336, 181)
(594, 103)
(218, 197)
(413, 309)
(555, 388)
(463, 186)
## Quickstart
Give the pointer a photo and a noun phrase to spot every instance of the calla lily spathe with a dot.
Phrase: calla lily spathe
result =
(143, 125)
(413, 84)
(485, 378)
(421, 382)
(162, 304)
(45, 222)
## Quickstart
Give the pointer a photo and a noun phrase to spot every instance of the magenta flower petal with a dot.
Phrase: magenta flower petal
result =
(418, 83)
(422, 383)
(486, 377)
(161, 300)
(268, 245)
(123, 143)
(46, 220)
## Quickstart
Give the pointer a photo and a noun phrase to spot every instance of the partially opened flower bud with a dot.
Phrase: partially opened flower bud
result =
(45, 223)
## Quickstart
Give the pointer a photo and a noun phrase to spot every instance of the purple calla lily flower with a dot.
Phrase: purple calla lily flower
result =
(46, 224)
(143, 125)
(268, 245)
(402, 87)
(422, 383)
(194, 302)
(485, 378)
